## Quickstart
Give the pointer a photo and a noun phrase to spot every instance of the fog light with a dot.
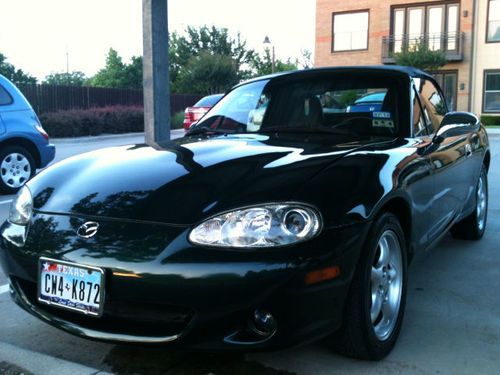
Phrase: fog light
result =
(263, 323)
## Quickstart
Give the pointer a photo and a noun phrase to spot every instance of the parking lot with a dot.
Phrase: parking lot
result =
(452, 322)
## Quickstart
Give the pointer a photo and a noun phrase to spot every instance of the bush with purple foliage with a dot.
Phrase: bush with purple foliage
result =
(95, 121)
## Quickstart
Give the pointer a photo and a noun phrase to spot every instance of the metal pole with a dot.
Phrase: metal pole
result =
(273, 66)
(155, 71)
(67, 62)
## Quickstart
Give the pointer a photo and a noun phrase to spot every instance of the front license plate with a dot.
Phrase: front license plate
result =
(71, 286)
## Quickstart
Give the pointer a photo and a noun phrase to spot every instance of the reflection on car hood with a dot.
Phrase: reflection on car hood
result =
(186, 180)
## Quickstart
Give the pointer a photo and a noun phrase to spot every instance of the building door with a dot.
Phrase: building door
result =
(448, 81)
(435, 26)
(415, 25)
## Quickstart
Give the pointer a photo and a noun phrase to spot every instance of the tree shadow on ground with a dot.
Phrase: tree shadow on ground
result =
(125, 360)
(7, 368)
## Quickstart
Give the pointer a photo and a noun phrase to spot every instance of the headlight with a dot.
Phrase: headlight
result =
(261, 226)
(21, 207)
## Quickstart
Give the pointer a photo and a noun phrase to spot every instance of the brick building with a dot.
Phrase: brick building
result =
(369, 32)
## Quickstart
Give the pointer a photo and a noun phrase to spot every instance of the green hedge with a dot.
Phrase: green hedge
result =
(96, 121)
(177, 120)
(490, 120)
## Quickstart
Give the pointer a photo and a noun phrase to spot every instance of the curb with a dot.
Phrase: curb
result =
(174, 133)
(42, 364)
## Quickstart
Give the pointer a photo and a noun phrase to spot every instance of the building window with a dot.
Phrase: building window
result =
(493, 26)
(491, 97)
(350, 31)
(448, 81)
(435, 24)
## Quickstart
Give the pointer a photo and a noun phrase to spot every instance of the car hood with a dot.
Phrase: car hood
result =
(186, 180)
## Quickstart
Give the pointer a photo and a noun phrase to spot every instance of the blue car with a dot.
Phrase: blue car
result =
(368, 103)
(24, 144)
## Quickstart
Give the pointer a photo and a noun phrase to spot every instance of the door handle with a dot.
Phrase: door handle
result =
(468, 150)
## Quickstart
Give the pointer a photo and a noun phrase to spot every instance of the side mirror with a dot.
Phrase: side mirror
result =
(456, 123)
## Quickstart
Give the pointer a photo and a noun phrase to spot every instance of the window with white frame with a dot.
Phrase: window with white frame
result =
(491, 100)
(493, 28)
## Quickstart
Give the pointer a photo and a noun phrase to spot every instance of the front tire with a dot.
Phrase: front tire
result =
(376, 302)
(17, 166)
(473, 226)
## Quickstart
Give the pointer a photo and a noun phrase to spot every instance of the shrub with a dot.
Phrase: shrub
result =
(490, 120)
(419, 55)
(94, 121)
(177, 120)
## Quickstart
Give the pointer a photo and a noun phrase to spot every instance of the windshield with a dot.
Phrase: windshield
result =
(208, 101)
(333, 103)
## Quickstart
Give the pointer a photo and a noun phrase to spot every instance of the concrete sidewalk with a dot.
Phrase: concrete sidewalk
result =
(493, 131)
(19, 360)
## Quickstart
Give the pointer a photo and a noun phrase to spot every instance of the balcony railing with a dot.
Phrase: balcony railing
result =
(450, 43)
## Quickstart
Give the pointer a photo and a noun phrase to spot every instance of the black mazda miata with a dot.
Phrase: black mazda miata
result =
(281, 217)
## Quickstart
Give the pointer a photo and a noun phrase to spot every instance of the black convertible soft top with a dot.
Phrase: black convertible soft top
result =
(392, 69)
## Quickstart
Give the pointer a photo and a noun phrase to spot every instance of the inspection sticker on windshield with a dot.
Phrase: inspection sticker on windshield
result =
(383, 115)
(382, 120)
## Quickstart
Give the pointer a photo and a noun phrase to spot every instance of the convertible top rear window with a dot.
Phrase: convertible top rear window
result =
(362, 105)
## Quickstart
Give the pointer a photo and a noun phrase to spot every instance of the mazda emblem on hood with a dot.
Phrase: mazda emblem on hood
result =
(88, 229)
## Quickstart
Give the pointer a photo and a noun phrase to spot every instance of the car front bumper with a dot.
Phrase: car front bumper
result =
(47, 154)
(163, 290)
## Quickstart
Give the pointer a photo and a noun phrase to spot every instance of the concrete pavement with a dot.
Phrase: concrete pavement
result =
(452, 322)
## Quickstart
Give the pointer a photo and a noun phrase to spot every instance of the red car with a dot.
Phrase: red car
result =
(197, 111)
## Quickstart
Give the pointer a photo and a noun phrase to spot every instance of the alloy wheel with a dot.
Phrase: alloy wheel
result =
(481, 202)
(386, 285)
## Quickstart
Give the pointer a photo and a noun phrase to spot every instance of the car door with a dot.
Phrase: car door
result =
(420, 178)
(5, 100)
(450, 161)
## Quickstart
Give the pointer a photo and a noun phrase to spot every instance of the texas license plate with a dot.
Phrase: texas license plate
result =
(71, 286)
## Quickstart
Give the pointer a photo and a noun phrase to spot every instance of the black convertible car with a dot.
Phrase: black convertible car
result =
(273, 222)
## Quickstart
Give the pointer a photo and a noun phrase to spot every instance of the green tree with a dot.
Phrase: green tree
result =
(118, 74)
(207, 74)
(420, 56)
(133, 72)
(113, 73)
(74, 78)
(262, 65)
(194, 42)
(17, 76)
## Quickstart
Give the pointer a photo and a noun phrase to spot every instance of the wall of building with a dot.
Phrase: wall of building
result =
(379, 26)
(487, 56)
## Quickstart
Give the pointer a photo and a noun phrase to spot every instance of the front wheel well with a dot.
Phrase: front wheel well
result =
(23, 142)
(400, 208)
(486, 161)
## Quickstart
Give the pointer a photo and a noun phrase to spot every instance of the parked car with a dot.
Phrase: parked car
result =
(368, 103)
(230, 239)
(24, 144)
(196, 112)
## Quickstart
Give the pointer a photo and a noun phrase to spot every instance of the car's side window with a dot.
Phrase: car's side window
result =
(5, 98)
(419, 124)
(433, 103)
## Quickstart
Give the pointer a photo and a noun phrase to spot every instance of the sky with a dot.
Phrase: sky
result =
(37, 35)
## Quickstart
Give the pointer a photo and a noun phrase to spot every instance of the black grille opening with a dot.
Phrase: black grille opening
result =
(120, 317)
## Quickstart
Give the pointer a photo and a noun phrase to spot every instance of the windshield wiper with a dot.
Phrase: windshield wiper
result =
(206, 130)
(319, 129)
